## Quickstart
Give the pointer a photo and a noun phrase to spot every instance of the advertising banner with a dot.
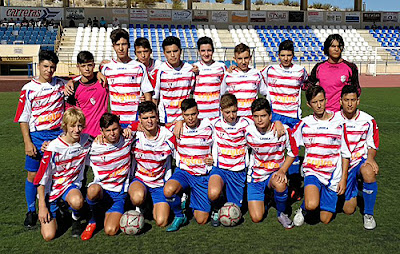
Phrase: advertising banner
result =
(296, 16)
(277, 16)
(182, 15)
(258, 16)
(121, 14)
(219, 16)
(32, 13)
(315, 16)
(138, 15)
(200, 16)
(240, 16)
(75, 13)
(371, 17)
(352, 17)
(334, 17)
(390, 17)
(160, 15)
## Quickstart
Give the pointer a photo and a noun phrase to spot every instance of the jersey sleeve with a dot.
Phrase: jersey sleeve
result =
(373, 135)
(224, 86)
(45, 169)
(24, 109)
(157, 86)
(153, 77)
(71, 100)
(145, 86)
(263, 88)
(291, 146)
(297, 134)
(354, 77)
(312, 79)
(345, 144)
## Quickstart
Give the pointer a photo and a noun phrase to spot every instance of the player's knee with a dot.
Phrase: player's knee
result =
(201, 220)
(213, 194)
(76, 202)
(111, 230)
(93, 191)
(161, 220)
(349, 209)
(48, 235)
(368, 174)
(31, 176)
(280, 187)
(168, 191)
(326, 218)
(311, 205)
(256, 217)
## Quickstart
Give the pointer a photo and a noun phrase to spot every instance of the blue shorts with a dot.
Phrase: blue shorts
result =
(157, 194)
(199, 189)
(328, 198)
(352, 185)
(256, 190)
(38, 137)
(289, 121)
(115, 201)
(234, 182)
(53, 206)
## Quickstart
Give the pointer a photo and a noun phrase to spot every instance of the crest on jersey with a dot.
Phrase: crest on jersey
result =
(343, 78)
(93, 101)
(103, 158)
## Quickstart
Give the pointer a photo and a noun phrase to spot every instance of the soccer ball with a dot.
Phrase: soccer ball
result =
(131, 222)
(230, 214)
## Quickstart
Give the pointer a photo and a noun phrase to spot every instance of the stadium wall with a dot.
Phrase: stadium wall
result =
(220, 18)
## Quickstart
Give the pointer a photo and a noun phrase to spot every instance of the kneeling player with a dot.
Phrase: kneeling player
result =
(193, 165)
(268, 167)
(326, 158)
(111, 163)
(61, 172)
(153, 156)
(363, 137)
(229, 152)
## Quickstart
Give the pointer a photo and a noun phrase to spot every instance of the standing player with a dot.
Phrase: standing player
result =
(143, 54)
(174, 82)
(153, 152)
(245, 83)
(208, 80)
(363, 137)
(326, 159)
(284, 83)
(40, 111)
(268, 166)
(111, 163)
(334, 73)
(193, 161)
(127, 80)
(229, 152)
(61, 172)
(89, 94)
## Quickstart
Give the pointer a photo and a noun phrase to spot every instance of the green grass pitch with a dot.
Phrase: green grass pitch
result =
(345, 234)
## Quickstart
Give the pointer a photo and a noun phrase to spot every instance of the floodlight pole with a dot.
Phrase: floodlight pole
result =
(357, 5)
(303, 5)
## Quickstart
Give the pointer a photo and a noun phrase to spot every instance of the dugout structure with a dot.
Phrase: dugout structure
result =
(19, 59)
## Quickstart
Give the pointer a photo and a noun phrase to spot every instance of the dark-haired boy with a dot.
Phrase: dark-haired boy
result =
(143, 53)
(193, 161)
(244, 82)
(363, 135)
(154, 147)
(284, 82)
(89, 94)
(268, 166)
(326, 158)
(174, 82)
(127, 79)
(111, 163)
(40, 111)
(208, 80)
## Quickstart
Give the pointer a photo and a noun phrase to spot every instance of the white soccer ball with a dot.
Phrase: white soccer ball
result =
(131, 222)
(230, 214)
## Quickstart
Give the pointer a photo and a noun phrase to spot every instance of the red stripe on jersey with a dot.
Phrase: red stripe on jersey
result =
(224, 165)
(44, 163)
(122, 113)
(320, 145)
(140, 74)
(130, 85)
(282, 77)
(21, 105)
(292, 141)
(173, 80)
(105, 163)
(82, 155)
(375, 133)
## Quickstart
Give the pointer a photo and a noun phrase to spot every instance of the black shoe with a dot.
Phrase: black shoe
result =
(76, 230)
(30, 220)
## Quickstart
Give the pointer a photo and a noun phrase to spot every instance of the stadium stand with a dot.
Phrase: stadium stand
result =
(29, 35)
(388, 37)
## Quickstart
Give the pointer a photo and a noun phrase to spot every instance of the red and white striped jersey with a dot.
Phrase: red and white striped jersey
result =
(229, 148)
(63, 165)
(111, 164)
(127, 82)
(325, 143)
(193, 147)
(284, 88)
(268, 152)
(152, 71)
(245, 86)
(172, 87)
(153, 157)
(363, 134)
(207, 89)
(41, 105)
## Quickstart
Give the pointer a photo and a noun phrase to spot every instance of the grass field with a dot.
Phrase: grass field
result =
(345, 234)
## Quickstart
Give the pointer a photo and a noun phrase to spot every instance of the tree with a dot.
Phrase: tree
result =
(177, 5)
(237, 1)
(220, 1)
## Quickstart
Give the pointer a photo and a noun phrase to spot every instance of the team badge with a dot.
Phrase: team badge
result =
(93, 101)
(343, 78)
